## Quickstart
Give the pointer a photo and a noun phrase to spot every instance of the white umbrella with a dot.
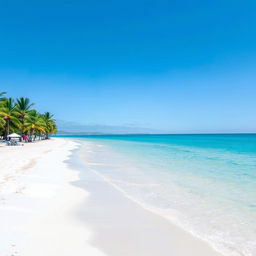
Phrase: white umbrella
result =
(14, 135)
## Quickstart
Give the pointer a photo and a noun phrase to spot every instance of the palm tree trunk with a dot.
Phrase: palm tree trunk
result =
(7, 128)
(21, 129)
(31, 134)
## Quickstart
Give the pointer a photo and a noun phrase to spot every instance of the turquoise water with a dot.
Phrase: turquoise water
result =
(204, 183)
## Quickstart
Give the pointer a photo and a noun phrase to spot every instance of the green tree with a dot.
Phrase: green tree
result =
(1, 125)
(22, 110)
(8, 113)
(50, 125)
(1, 96)
(1, 118)
(34, 123)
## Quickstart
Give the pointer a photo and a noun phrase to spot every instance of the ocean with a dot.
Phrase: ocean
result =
(205, 184)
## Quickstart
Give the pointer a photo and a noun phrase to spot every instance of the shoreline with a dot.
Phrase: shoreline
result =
(107, 197)
(179, 228)
(54, 204)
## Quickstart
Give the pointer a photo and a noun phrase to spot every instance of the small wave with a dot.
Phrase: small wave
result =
(143, 185)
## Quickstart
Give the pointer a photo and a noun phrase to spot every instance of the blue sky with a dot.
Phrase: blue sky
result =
(178, 66)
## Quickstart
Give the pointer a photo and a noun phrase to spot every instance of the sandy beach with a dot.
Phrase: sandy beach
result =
(38, 204)
(52, 205)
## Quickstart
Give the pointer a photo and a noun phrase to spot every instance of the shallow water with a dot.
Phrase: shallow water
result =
(203, 183)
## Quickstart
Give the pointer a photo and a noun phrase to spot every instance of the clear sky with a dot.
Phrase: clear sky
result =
(179, 66)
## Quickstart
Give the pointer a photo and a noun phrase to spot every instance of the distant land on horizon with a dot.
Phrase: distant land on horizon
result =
(73, 128)
(76, 129)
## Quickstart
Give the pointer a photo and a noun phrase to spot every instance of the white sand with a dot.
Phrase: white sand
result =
(45, 211)
(38, 204)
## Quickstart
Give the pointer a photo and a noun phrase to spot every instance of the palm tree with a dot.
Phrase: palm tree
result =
(1, 119)
(34, 123)
(50, 126)
(23, 109)
(8, 113)
(1, 125)
(18, 116)
(2, 94)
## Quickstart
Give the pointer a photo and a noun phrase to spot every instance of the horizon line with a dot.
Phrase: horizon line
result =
(120, 134)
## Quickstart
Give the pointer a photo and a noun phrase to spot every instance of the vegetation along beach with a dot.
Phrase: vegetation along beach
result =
(19, 116)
